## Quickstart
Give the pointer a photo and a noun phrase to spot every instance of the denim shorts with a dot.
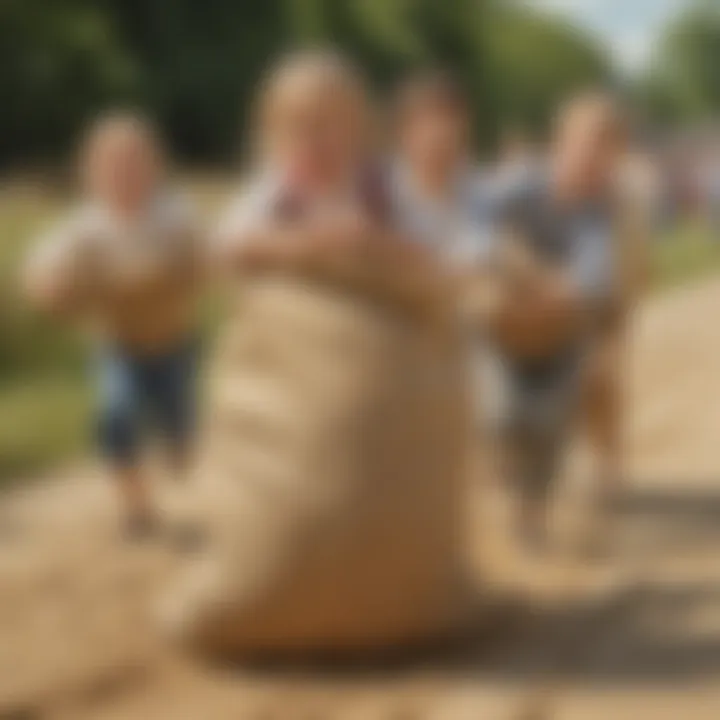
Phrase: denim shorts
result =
(139, 396)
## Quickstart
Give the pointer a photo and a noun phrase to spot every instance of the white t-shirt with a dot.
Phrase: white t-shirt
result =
(166, 234)
(578, 238)
(248, 208)
(460, 229)
(258, 201)
(138, 277)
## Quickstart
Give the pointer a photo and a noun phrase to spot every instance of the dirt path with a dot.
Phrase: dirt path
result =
(636, 639)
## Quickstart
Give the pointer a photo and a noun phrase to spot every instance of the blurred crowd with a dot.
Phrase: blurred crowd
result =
(680, 178)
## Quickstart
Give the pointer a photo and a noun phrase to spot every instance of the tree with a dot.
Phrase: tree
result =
(684, 81)
(58, 64)
(199, 64)
(195, 65)
(535, 61)
(389, 38)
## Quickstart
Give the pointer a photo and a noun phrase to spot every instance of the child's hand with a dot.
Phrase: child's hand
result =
(518, 261)
(347, 228)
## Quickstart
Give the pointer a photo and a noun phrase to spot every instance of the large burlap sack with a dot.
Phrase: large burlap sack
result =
(333, 467)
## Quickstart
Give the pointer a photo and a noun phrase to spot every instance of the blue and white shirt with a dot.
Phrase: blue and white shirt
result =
(578, 238)
(458, 228)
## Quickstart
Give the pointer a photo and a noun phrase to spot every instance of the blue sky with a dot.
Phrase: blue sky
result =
(628, 26)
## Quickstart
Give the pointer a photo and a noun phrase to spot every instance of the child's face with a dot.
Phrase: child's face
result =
(586, 150)
(435, 138)
(123, 169)
(316, 134)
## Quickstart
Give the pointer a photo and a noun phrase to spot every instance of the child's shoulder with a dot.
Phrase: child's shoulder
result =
(175, 208)
(67, 238)
(253, 199)
(79, 223)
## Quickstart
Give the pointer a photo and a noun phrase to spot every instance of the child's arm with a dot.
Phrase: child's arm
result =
(253, 236)
(632, 248)
(521, 302)
(421, 274)
(249, 234)
(507, 274)
(574, 292)
(190, 241)
(56, 277)
(554, 303)
(507, 278)
(266, 244)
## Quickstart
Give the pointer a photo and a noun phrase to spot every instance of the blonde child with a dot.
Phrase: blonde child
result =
(126, 262)
(315, 186)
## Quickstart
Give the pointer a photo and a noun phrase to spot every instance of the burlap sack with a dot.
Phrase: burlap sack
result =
(333, 467)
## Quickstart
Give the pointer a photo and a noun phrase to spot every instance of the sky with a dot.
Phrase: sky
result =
(628, 26)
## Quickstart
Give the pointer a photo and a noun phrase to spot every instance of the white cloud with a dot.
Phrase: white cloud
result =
(567, 4)
(632, 48)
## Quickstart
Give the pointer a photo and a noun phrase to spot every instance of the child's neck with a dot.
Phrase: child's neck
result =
(329, 187)
(434, 183)
(127, 212)
(580, 191)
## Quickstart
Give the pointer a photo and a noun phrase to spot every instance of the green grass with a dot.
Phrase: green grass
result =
(45, 400)
(43, 421)
(686, 255)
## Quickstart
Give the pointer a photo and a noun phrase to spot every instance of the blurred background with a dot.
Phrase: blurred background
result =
(650, 649)
(194, 66)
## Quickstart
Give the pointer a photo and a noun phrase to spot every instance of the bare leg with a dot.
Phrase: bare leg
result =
(531, 461)
(604, 417)
(179, 459)
(606, 435)
(138, 508)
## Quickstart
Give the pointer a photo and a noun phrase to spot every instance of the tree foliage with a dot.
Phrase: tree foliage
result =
(684, 80)
(537, 60)
(194, 64)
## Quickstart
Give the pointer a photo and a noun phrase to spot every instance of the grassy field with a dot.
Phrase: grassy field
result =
(45, 400)
(685, 255)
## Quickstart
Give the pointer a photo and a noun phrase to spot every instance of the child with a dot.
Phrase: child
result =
(311, 134)
(438, 190)
(443, 202)
(566, 216)
(126, 261)
(315, 186)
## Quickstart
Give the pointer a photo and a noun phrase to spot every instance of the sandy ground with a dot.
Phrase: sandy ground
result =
(634, 637)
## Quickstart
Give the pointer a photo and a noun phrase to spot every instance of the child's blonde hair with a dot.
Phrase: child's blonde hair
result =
(320, 71)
